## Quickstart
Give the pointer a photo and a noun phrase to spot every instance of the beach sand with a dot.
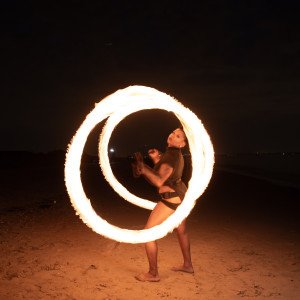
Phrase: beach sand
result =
(244, 240)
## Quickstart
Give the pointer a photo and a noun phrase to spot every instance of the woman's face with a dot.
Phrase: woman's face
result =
(176, 139)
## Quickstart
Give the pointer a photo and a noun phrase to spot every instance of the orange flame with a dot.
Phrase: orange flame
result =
(116, 107)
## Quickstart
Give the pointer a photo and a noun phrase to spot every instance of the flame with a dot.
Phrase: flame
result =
(116, 107)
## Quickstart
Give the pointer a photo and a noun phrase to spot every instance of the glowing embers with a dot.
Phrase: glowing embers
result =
(116, 107)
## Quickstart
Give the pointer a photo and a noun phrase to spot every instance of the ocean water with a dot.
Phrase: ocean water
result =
(278, 168)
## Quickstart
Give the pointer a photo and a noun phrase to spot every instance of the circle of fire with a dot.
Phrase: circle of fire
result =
(116, 107)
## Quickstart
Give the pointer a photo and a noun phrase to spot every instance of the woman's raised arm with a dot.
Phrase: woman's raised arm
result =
(157, 178)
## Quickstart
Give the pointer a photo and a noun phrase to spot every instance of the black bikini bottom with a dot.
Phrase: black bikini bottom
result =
(170, 204)
(168, 195)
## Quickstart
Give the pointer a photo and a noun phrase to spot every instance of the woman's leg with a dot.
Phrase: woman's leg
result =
(184, 243)
(160, 213)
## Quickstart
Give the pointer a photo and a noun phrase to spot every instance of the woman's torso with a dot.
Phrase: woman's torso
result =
(173, 158)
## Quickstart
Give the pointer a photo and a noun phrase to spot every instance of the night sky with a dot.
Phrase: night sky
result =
(235, 65)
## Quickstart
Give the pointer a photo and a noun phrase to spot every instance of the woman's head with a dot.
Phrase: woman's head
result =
(177, 138)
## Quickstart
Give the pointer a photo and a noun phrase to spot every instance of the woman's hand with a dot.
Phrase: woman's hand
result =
(154, 154)
(137, 165)
(139, 162)
(157, 178)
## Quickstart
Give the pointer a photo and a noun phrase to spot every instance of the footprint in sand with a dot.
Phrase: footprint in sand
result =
(91, 267)
(238, 267)
(254, 291)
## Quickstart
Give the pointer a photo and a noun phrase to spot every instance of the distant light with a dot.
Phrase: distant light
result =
(111, 150)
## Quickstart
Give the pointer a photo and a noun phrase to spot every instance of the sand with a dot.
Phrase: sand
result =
(244, 241)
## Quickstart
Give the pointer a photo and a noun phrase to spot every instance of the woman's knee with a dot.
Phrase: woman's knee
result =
(151, 244)
(181, 229)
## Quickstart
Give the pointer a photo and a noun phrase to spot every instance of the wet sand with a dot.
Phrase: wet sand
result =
(244, 240)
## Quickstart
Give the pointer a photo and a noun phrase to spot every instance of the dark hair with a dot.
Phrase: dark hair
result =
(185, 138)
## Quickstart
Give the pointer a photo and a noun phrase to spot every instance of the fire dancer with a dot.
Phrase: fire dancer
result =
(166, 176)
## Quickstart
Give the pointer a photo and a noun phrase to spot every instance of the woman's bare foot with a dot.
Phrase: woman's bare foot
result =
(189, 269)
(147, 277)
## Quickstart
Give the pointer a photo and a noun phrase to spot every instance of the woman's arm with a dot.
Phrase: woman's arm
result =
(157, 178)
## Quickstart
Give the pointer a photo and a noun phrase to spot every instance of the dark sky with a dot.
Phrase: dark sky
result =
(235, 65)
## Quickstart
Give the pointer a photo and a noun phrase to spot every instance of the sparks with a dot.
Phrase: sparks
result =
(116, 107)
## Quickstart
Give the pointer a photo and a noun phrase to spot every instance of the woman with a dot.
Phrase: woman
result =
(166, 176)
